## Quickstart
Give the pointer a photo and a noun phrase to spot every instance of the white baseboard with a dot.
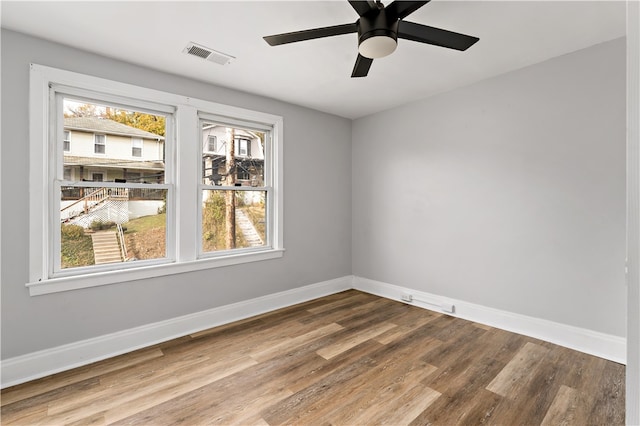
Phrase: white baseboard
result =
(50, 361)
(591, 342)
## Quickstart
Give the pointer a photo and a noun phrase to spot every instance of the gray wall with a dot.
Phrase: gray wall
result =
(509, 193)
(317, 213)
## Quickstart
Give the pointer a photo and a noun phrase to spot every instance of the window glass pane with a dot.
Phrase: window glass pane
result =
(105, 139)
(89, 219)
(212, 144)
(233, 219)
(136, 147)
(99, 144)
(236, 158)
(66, 143)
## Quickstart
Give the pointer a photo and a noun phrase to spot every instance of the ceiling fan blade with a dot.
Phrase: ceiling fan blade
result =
(361, 68)
(362, 7)
(402, 9)
(277, 39)
(436, 36)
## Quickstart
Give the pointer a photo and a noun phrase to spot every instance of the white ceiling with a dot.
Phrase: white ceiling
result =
(316, 73)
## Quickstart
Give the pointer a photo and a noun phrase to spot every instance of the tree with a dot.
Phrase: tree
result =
(73, 109)
(139, 120)
(230, 199)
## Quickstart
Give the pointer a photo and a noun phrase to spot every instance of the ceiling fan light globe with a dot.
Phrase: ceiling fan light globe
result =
(377, 47)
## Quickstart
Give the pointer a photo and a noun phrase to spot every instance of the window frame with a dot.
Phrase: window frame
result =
(97, 144)
(212, 139)
(247, 144)
(66, 142)
(57, 94)
(133, 146)
(267, 187)
(182, 233)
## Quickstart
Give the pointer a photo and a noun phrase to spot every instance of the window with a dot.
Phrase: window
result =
(66, 143)
(99, 142)
(100, 203)
(243, 147)
(233, 212)
(136, 147)
(97, 177)
(212, 143)
(100, 192)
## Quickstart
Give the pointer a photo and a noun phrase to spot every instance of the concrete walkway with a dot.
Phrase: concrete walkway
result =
(105, 247)
(248, 230)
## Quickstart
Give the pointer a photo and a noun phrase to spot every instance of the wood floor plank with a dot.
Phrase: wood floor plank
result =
(301, 404)
(410, 320)
(385, 395)
(37, 406)
(386, 366)
(346, 315)
(346, 359)
(320, 368)
(187, 383)
(339, 304)
(519, 370)
(346, 344)
(80, 374)
(561, 412)
(407, 407)
(457, 359)
(286, 345)
(609, 396)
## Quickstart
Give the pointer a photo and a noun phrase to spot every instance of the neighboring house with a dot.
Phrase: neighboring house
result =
(249, 156)
(100, 150)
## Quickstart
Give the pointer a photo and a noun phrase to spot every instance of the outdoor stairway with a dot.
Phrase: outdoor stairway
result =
(105, 247)
(248, 230)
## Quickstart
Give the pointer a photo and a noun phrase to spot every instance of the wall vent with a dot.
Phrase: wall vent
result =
(208, 54)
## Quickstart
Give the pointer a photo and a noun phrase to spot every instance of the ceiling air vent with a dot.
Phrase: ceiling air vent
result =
(208, 54)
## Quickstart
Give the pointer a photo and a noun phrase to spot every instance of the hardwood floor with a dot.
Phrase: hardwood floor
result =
(349, 358)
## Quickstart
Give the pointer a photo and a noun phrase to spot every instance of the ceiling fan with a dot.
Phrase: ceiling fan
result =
(378, 29)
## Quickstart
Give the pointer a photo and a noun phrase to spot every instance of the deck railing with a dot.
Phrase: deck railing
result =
(94, 197)
(76, 193)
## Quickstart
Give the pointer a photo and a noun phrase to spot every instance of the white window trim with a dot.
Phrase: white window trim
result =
(186, 182)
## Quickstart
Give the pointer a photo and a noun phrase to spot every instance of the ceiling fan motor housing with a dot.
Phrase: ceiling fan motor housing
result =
(377, 34)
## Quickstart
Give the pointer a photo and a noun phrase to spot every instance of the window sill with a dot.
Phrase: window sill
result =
(56, 285)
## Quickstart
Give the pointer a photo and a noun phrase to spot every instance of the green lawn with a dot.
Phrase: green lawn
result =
(146, 223)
